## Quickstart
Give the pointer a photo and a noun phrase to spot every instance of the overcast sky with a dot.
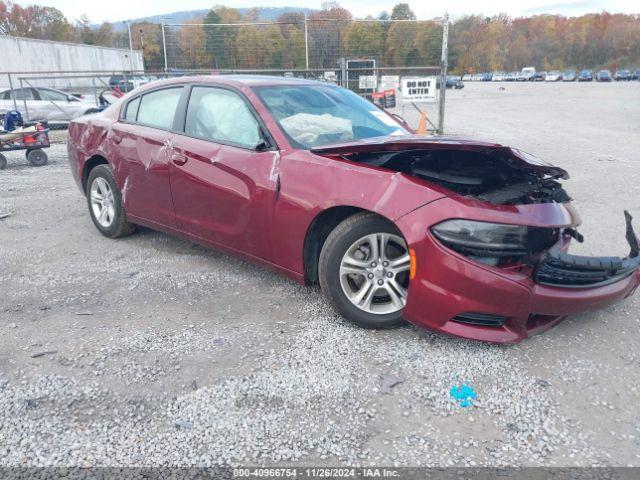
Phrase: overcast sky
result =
(114, 10)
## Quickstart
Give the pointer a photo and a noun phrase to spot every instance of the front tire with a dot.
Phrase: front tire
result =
(105, 204)
(364, 271)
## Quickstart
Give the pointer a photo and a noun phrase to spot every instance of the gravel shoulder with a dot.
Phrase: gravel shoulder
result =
(153, 351)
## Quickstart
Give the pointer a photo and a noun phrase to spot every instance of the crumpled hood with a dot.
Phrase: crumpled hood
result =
(515, 157)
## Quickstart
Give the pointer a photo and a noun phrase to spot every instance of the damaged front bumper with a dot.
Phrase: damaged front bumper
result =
(454, 294)
(560, 269)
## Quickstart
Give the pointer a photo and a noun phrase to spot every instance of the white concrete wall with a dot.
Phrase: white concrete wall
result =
(29, 55)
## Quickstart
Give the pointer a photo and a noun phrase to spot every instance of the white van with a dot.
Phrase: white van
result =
(526, 74)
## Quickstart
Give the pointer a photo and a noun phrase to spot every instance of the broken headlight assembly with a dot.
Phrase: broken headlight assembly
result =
(493, 244)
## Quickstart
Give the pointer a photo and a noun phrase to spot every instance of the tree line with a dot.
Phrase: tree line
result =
(476, 43)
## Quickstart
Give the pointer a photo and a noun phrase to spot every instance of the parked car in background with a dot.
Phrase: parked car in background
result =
(622, 75)
(452, 82)
(526, 74)
(569, 76)
(114, 80)
(477, 77)
(131, 83)
(603, 76)
(45, 104)
(499, 76)
(511, 77)
(539, 77)
(636, 74)
(466, 77)
(487, 77)
(553, 76)
(585, 76)
(468, 238)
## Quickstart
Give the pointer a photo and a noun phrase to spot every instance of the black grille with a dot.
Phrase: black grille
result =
(483, 319)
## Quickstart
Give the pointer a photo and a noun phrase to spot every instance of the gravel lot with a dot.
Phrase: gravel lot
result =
(152, 351)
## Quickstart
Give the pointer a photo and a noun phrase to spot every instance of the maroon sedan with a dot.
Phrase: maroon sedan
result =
(458, 236)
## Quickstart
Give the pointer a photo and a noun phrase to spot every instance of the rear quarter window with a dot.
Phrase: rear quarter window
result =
(131, 112)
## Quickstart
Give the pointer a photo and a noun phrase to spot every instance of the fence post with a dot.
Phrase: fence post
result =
(13, 94)
(443, 72)
(24, 101)
(164, 45)
(306, 42)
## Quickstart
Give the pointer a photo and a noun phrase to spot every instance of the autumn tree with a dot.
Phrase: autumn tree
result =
(34, 21)
(220, 40)
(326, 29)
(402, 11)
(364, 39)
(291, 25)
(147, 36)
(191, 43)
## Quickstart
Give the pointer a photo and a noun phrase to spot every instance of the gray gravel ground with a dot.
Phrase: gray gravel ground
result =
(152, 351)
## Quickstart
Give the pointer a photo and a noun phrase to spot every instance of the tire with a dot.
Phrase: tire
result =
(344, 248)
(37, 157)
(3, 162)
(102, 184)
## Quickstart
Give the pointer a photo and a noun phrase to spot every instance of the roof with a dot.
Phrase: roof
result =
(243, 80)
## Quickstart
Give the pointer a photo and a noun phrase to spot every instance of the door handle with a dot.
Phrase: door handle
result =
(179, 159)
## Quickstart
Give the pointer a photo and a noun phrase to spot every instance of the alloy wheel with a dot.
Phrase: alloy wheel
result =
(102, 202)
(374, 273)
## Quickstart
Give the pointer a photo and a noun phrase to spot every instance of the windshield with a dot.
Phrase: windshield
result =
(314, 115)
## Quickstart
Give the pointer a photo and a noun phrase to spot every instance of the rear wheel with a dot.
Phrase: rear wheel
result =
(364, 271)
(37, 157)
(105, 204)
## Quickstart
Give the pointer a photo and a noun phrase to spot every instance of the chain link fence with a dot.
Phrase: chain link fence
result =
(367, 56)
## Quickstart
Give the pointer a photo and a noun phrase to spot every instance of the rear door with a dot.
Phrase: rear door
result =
(143, 142)
(223, 178)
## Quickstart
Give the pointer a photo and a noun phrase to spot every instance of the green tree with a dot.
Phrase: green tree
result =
(402, 11)
(364, 39)
(221, 40)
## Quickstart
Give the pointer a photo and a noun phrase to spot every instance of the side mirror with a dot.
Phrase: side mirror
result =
(263, 143)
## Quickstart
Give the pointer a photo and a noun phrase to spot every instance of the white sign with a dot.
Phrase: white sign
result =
(418, 89)
(329, 76)
(367, 82)
(389, 82)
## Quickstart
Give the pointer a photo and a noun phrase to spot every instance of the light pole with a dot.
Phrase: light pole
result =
(444, 63)
(128, 22)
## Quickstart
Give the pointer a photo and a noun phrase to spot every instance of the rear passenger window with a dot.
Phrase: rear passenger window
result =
(158, 108)
(132, 110)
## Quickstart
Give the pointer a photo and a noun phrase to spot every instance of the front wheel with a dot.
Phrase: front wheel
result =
(105, 203)
(364, 271)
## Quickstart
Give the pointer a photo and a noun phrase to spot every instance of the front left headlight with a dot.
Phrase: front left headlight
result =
(482, 239)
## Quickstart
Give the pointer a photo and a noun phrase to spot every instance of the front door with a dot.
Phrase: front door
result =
(223, 178)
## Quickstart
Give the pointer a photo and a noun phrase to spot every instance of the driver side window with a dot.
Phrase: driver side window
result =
(221, 116)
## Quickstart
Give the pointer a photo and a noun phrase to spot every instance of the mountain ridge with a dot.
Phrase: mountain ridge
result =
(185, 16)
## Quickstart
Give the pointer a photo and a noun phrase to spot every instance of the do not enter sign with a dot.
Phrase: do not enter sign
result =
(418, 89)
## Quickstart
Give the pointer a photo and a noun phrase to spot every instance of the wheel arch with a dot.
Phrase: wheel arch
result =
(89, 165)
(318, 231)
